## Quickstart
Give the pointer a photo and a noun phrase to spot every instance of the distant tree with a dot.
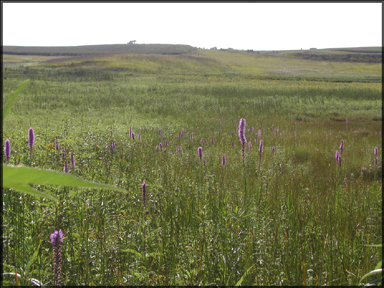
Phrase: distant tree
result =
(132, 42)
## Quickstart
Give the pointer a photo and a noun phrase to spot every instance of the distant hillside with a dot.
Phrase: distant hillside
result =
(167, 49)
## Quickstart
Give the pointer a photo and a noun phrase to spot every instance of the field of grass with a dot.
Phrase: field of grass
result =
(288, 216)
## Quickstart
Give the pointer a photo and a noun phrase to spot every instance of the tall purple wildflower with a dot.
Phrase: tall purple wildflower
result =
(166, 143)
(160, 145)
(65, 167)
(31, 140)
(130, 132)
(213, 140)
(250, 144)
(200, 152)
(202, 141)
(260, 150)
(375, 152)
(273, 150)
(7, 149)
(338, 158)
(56, 240)
(241, 131)
(113, 144)
(133, 135)
(144, 194)
(72, 160)
(56, 143)
(223, 160)
(341, 147)
(191, 136)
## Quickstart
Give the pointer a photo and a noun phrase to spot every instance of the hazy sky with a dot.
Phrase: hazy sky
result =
(257, 26)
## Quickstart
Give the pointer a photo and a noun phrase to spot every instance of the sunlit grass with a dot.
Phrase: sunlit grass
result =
(300, 220)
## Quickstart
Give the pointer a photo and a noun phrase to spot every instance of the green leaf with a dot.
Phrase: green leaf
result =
(22, 187)
(13, 96)
(242, 277)
(18, 178)
(371, 273)
(134, 252)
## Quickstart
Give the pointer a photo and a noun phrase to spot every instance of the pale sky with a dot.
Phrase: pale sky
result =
(257, 26)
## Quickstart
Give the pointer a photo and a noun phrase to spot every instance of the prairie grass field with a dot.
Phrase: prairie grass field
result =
(288, 215)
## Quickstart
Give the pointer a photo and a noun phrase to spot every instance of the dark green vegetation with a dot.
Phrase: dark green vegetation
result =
(301, 219)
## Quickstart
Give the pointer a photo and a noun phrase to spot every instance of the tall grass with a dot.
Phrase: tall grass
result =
(299, 220)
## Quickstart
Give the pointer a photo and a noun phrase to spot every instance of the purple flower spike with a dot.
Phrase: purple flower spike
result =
(213, 140)
(144, 194)
(113, 144)
(200, 152)
(66, 167)
(204, 163)
(179, 135)
(133, 136)
(202, 141)
(259, 132)
(166, 143)
(223, 158)
(57, 237)
(242, 131)
(138, 136)
(157, 147)
(7, 149)
(337, 155)
(273, 149)
(160, 145)
(261, 146)
(250, 144)
(56, 143)
(31, 137)
(72, 160)
(191, 136)
(31, 140)
(376, 151)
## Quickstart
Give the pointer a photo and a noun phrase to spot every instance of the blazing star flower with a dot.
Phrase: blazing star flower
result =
(31, 137)
(56, 144)
(223, 158)
(160, 145)
(157, 147)
(259, 132)
(202, 141)
(200, 152)
(143, 194)
(31, 140)
(7, 149)
(376, 151)
(241, 131)
(261, 146)
(56, 240)
(191, 136)
(138, 136)
(337, 155)
(133, 135)
(66, 167)
(72, 160)
(341, 147)
(166, 143)
(250, 144)
(273, 149)
(213, 140)
(113, 144)
(178, 149)
(204, 163)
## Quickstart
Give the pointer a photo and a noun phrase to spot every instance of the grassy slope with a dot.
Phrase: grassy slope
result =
(176, 59)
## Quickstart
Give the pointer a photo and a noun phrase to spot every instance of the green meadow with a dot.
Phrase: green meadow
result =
(287, 214)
